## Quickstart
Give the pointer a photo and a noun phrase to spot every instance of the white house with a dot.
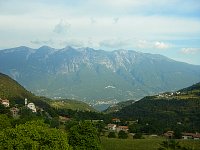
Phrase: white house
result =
(32, 107)
(112, 127)
(195, 136)
(5, 102)
(14, 111)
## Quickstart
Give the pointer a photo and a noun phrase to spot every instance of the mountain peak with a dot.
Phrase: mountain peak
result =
(45, 47)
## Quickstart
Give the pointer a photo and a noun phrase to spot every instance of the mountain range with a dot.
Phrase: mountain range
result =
(95, 76)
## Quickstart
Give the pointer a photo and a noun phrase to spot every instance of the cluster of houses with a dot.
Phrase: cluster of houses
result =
(195, 136)
(14, 110)
(169, 134)
(167, 95)
(115, 127)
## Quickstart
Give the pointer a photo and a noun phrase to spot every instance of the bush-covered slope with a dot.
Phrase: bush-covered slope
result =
(118, 106)
(11, 90)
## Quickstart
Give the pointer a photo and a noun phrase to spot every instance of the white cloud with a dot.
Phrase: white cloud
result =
(42, 42)
(115, 20)
(161, 45)
(144, 44)
(92, 20)
(62, 27)
(190, 50)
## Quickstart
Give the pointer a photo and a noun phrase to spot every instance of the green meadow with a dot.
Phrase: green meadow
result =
(142, 144)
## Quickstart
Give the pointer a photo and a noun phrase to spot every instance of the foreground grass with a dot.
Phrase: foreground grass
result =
(194, 144)
(142, 144)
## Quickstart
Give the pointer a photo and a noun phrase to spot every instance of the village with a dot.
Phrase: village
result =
(15, 110)
(114, 126)
(169, 134)
(168, 94)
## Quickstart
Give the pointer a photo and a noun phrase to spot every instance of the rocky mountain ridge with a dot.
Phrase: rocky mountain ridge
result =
(92, 75)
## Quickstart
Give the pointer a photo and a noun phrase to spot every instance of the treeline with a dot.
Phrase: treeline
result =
(84, 115)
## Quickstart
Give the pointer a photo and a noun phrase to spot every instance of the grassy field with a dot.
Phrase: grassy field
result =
(142, 144)
(71, 104)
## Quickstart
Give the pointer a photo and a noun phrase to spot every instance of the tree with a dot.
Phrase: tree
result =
(134, 128)
(84, 136)
(5, 122)
(122, 135)
(177, 134)
(111, 135)
(137, 136)
(54, 123)
(3, 109)
(33, 135)
(70, 124)
(100, 125)
(26, 115)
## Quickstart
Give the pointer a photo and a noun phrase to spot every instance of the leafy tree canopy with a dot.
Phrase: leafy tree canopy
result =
(122, 135)
(5, 122)
(84, 136)
(33, 135)
(111, 135)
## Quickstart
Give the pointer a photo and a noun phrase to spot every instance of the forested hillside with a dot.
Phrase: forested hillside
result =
(170, 110)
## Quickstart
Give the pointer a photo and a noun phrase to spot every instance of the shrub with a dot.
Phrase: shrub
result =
(111, 135)
(122, 135)
(137, 136)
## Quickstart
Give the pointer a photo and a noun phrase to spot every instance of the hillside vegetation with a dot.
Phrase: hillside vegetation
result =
(178, 111)
(71, 104)
(172, 110)
(12, 90)
(118, 106)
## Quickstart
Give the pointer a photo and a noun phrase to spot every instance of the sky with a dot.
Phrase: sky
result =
(167, 27)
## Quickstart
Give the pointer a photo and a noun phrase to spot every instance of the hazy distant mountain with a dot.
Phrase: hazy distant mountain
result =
(92, 75)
